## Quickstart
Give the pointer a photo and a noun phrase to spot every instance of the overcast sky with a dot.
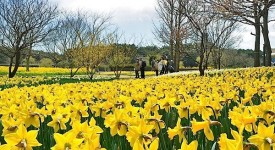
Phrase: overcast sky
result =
(135, 18)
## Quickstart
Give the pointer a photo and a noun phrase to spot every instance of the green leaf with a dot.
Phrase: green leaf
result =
(214, 146)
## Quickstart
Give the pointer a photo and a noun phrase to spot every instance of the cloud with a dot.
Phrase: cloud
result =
(135, 18)
(272, 34)
(248, 40)
(107, 5)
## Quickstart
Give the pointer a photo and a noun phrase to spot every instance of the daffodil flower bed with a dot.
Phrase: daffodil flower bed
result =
(20, 81)
(232, 110)
(51, 71)
(6, 82)
(34, 71)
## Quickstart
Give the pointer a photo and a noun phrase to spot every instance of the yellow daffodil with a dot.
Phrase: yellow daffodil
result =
(79, 110)
(94, 127)
(243, 119)
(81, 130)
(31, 115)
(178, 130)
(167, 103)
(10, 126)
(138, 136)
(123, 102)
(117, 122)
(9, 111)
(188, 105)
(192, 146)
(93, 142)
(101, 108)
(205, 125)
(58, 122)
(264, 138)
(231, 144)
(156, 122)
(154, 145)
(66, 141)
(89, 133)
(21, 139)
(152, 104)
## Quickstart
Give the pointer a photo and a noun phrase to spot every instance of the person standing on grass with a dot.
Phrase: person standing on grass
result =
(156, 67)
(166, 64)
(137, 68)
(160, 67)
(170, 67)
(142, 68)
(163, 63)
(153, 62)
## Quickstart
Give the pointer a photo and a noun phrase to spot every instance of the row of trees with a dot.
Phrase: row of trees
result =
(231, 58)
(207, 27)
(24, 23)
(82, 39)
(193, 28)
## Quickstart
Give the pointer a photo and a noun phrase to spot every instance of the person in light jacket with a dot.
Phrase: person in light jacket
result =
(160, 67)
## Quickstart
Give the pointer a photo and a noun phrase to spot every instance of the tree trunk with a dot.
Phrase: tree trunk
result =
(206, 58)
(257, 26)
(91, 76)
(117, 72)
(219, 58)
(219, 63)
(28, 59)
(11, 63)
(201, 67)
(179, 46)
(172, 49)
(177, 61)
(215, 59)
(16, 64)
(265, 33)
(264, 54)
(171, 26)
(257, 46)
(176, 50)
(71, 72)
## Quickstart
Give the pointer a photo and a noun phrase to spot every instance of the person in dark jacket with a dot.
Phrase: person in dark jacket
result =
(142, 69)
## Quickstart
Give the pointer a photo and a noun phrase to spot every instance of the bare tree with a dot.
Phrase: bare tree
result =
(22, 24)
(221, 35)
(165, 33)
(235, 59)
(207, 30)
(180, 32)
(80, 38)
(121, 53)
(96, 54)
(264, 12)
(172, 28)
(249, 12)
(245, 12)
(98, 47)
(74, 36)
(50, 44)
(200, 17)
